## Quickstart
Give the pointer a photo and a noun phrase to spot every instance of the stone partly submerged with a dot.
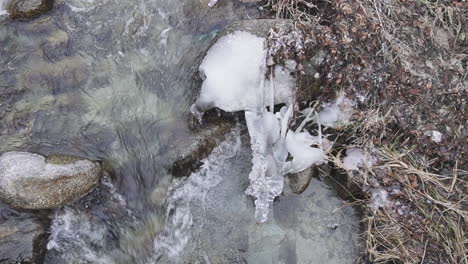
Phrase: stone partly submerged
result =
(23, 238)
(27, 9)
(206, 137)
(298, 182)
(31, 181)
(211, 220)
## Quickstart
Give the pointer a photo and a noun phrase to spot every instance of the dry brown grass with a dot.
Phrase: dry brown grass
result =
(424, 46)
(425, 220)
(437, 216)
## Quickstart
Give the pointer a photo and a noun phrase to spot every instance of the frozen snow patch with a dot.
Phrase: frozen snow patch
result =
(3, 4)
(379, 199)
(234, 72)
(212, 3)
(358, 158)
(336, 114)
(435, 135)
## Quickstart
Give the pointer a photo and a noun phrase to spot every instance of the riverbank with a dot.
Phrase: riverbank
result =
(404, 65)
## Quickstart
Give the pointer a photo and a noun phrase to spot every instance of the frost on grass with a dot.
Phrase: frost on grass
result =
(337, 114)
(358, 158)
(379, 199)
(435, 135)
(234, 71)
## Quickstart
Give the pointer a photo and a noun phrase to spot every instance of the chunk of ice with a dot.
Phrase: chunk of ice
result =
(234, 70)
(304, 156)
(3, 4)
(212, 3)
(266, 179)
(271, 142)
(357, 158)
(336, 114)
(379, 199)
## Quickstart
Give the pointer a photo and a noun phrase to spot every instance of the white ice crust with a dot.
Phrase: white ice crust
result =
(336, 114)
(235, 80)
(3, 4)
(233, 71)
(358, 158)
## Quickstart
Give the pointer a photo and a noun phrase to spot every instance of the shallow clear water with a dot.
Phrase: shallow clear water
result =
(114, 81)
(111, 80)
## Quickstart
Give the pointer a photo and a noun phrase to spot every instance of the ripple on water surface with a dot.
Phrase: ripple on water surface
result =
(113, 80)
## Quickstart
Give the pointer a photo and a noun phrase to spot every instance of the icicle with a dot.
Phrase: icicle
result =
(235, 69)
(212, 3)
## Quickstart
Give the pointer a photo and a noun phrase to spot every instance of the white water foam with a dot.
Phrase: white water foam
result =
(79, 237)
(75, 236)
(192, 190)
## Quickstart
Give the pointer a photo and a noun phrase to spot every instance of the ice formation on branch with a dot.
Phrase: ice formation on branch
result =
(234, 71)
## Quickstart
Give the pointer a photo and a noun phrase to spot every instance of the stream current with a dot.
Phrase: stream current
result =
(114, 81)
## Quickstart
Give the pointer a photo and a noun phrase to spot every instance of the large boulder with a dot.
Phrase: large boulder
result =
(31, 181)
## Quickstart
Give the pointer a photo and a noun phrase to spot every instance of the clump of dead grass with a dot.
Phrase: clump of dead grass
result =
(425, 219)
(410, 58)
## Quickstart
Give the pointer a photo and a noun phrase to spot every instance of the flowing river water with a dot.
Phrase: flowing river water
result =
(114, 81)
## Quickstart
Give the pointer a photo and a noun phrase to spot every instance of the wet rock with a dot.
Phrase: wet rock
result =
(210, 219)
(208, 3)
(25, 9)
(30, 181)
(259, 27)
(207, 137)
(298, 182)
(22, 237)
